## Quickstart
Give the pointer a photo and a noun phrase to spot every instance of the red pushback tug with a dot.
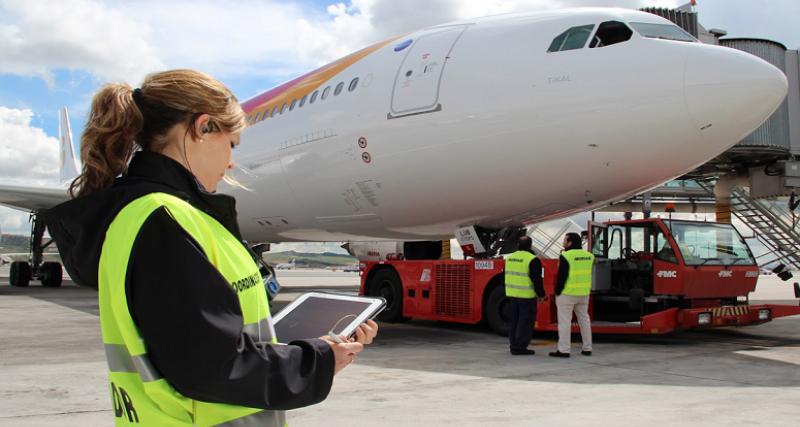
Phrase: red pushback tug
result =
(652, 276)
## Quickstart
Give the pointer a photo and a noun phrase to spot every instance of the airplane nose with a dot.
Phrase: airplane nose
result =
(730, 93)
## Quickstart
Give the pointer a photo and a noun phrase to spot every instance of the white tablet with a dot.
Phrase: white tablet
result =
(315, 314)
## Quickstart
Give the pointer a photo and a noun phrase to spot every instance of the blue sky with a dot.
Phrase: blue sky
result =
(59, 53)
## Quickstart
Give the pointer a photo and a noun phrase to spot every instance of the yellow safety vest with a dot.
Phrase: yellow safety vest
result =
(579, 280)
(518, 280)
(140, 395)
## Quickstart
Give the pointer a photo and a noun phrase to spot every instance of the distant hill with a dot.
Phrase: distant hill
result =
(309, 259)
(11, 243)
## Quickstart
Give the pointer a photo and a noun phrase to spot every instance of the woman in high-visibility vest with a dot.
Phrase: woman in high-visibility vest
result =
(183, 310)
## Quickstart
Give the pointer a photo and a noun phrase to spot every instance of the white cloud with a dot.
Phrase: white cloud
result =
(126, 40)
(14, 222)
(27, 156)
(38, 37)
(26, 153)
(387, 18)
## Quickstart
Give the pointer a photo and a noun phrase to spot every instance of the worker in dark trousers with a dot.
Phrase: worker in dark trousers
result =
(523, 281)
(573, 286)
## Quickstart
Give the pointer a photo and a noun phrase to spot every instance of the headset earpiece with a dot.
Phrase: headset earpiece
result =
(205, 129)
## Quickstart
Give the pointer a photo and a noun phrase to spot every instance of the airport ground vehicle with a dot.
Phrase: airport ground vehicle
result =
(652, 276)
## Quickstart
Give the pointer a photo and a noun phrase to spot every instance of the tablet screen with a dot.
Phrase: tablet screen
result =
(315, 317)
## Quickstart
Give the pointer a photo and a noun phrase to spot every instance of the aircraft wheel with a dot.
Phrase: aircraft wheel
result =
(20, 274)
(496, 311)
(387, 284)
(51, 274)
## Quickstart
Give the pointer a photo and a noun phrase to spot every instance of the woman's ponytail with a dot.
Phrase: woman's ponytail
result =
(107, 142)
(123, 120)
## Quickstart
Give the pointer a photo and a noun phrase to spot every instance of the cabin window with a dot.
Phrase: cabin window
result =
(610, 32)
(302, 101)
(662, 31)
(353, 85)
(313, 97)
(339, 88)
(291, 106)
(274, 111)
(325, 93)
(574, 38)
(283, 108)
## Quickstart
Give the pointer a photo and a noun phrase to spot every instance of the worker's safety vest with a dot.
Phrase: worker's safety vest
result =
(518, 280)
(141, 396)
(579, 280)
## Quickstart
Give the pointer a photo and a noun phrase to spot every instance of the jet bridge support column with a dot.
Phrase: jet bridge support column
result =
(722, 196)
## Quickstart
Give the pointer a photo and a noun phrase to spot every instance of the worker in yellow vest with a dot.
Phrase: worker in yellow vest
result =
(523, 282)
(573, 286)
(184, 313)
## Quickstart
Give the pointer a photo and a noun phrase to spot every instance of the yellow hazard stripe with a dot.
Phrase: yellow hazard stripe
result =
(730, 311)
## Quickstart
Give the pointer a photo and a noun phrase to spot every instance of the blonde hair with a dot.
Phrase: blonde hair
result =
(123, 118)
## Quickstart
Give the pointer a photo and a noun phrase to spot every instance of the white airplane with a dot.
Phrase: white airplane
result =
(286, 265)
(493, 122)
(487, 123)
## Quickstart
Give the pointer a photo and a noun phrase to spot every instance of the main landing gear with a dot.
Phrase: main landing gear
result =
(49, 273)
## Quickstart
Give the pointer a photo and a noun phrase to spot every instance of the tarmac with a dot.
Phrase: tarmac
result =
(53, 370)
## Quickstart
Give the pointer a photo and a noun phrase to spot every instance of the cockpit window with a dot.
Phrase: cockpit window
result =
(662, 31)
(610, 32)
(574, 38)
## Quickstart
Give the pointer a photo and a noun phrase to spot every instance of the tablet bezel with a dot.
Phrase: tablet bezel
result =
(369, 312)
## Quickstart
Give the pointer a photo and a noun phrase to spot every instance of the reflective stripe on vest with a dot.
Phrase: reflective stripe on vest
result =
(579, 280)
(517, 277)
(140, 395)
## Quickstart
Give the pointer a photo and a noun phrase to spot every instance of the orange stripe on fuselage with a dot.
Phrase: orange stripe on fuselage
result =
(308, 84)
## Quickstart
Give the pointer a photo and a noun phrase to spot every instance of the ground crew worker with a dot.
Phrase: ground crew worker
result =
(523, 282)
(573, 286)
(184, 314)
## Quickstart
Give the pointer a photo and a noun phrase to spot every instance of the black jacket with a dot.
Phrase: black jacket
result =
(562, 275)
(535, 273)
(171, 284)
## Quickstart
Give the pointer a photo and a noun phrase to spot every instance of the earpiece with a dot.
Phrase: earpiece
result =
(205, 129)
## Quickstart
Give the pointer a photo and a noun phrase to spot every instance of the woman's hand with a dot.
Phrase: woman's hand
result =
(366, 332)
(344, 353)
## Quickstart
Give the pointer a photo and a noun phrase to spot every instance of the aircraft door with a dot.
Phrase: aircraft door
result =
(598, 245)
(416, 86)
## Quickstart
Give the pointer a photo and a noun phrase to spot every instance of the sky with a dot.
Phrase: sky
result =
(60, 53)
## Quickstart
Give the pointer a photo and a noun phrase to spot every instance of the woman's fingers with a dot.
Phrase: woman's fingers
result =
(366, 332)
(352, 347)
(361, 335)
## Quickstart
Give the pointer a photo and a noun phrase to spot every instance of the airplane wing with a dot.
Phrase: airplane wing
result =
(30, 198)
